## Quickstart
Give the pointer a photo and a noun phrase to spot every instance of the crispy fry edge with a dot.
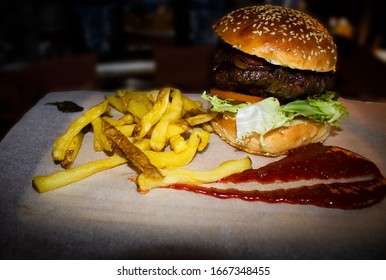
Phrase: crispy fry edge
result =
(131, 152)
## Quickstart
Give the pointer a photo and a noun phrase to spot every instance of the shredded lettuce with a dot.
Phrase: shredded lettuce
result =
(268, 114)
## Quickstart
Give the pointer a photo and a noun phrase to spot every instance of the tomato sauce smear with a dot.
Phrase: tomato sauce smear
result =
(310, 162)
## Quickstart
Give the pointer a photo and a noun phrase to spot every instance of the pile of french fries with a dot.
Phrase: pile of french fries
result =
(157, 133)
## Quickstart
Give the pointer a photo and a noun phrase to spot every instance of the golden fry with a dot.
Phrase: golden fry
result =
(116, 103)
(151, 120)
(207, 127)
(126, 119)
(121, 92)
(101, 142)
(204, 139)
(201, 118)
(138, 108)
(72, 151)
(192, 107)
(178, 144)
(131, 152)
(126, 130)
(62, 142)
(67, 176)
(189, 176)
(137, 103)
(155, 114)
(171, 159)
(177, 128)
(173, 113)
(143, 144)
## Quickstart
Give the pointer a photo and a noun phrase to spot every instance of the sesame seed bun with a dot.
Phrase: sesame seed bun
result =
(281, 36)
(276, 142)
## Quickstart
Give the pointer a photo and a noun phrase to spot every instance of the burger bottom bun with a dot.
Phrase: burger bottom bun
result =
(276, 142)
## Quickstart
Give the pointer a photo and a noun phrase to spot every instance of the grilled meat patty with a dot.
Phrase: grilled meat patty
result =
(237, 71)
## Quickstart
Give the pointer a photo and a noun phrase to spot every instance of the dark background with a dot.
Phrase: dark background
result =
(52, 45)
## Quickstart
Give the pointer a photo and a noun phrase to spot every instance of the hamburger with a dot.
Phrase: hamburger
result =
(273, 80)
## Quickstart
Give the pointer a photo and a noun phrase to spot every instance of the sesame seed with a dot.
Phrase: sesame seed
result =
(281, 23)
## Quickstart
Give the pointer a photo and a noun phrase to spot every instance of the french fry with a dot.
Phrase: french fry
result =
(192, 107)
(201, 118)
(155, 114)
(143, 144)
(125, 119)
(170, 159)
(137, 103)
(178, 144)
(204, 139)
(124, 93)
(131, 152)
(151, 121)
(72, 151)
(101, 142)
(62, 142)
(173, 113)
(116, 103)
(177, 128)
(136, 107)
(68, 176)
(126, 130)
(121, 92)
(189, 176)
(207, 127)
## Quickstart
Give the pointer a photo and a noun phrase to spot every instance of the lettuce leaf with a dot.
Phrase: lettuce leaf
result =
(268, 114)
(322, 109)
(222, 105)
(261, 117)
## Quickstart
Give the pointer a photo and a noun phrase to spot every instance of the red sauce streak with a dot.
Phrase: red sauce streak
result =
(314, 161)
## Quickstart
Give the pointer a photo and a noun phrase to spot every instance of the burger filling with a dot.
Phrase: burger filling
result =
(268, 114)
(237, 71)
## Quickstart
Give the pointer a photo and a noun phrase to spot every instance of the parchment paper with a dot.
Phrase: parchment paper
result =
(104, 217)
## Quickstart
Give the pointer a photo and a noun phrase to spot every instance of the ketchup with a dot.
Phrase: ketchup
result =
(313, 161)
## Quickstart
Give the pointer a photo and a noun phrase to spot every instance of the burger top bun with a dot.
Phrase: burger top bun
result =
(282, 36)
